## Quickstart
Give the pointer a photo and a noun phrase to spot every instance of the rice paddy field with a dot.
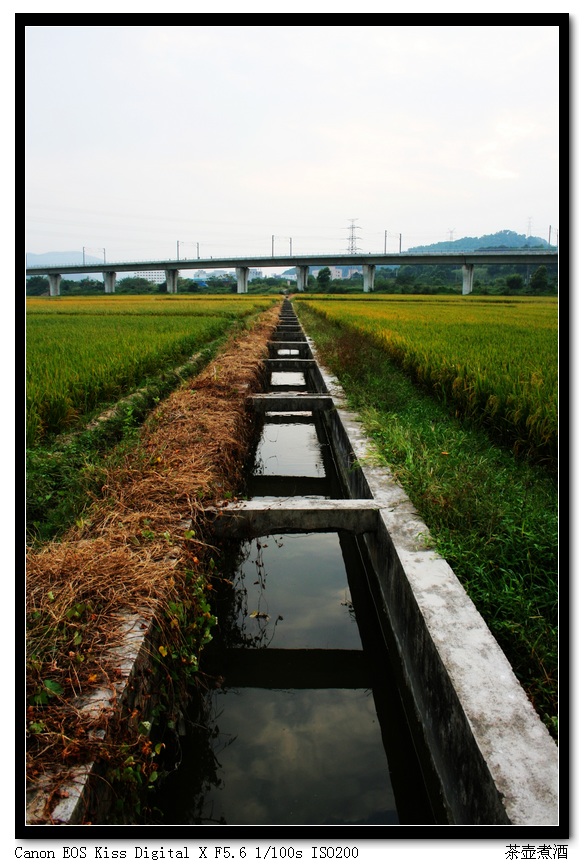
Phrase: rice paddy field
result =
(83, 352)
(495, 360)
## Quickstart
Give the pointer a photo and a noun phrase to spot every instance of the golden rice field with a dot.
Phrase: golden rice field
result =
(84, 351)
(495, 360)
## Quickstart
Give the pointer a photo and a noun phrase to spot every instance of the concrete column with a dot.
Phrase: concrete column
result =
(242, 274)
(109, 278)
(467, 276)
(171, 281)
(368, 277)
(54, 284)
(301, 277)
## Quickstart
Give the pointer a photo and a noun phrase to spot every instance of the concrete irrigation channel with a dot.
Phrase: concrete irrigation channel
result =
(354, 665)
(483, 753)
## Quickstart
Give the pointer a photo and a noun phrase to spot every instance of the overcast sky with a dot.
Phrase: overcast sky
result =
(139, 138)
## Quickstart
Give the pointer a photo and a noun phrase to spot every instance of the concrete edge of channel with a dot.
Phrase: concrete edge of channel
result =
(495, 759)
(83, 792)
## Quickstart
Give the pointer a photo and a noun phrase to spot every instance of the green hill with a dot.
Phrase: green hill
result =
(501, 240)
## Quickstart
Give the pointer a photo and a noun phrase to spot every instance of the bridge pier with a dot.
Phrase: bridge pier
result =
(368, 277)
(54, 284)
(301, 277)
(467, 277)
(242, 274)
(109, 279)
(171, 281)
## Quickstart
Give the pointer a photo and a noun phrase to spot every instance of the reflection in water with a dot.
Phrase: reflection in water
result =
(288, 379)
(290, 450)
(295, 731)
(291, 592)
(292, 757)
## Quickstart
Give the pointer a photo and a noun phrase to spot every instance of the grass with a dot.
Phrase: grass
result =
(65, 474)
(493, 516)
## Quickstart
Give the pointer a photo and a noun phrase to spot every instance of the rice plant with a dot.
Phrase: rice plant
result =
(494, 362)
(83, 352)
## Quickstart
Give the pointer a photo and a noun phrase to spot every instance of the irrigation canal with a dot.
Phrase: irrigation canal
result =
(309, 725)
(359, 684)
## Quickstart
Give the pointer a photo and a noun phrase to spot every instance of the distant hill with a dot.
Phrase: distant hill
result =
(501, 240)
(504, 239)
(50, 259)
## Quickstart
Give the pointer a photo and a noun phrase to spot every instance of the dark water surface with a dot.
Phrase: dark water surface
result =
(294, 594)
(290, 449)
(295, 757)
(307, 726)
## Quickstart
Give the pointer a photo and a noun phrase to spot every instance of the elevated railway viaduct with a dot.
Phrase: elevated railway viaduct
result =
(302, 263)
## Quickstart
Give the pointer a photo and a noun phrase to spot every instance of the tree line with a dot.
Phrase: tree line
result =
(405, 279)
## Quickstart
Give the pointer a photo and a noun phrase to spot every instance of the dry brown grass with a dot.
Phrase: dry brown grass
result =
(131, 553)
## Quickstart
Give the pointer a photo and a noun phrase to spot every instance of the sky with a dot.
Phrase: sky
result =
(177, 141)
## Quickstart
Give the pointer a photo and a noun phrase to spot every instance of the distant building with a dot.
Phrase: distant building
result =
(155, 276)
(207, 274)
(344, 272)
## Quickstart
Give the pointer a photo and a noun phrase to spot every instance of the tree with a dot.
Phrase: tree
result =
(37, 285)
(406, 275)
(226, 284)
(135, 285)
(323, 279)
(81, 287)
(184, 285)
(514, 283)
(539, 281)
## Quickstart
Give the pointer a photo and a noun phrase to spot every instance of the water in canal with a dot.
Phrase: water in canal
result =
(307, 727)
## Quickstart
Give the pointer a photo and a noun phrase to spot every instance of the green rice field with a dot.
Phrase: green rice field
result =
(494, 360)
(84, 352)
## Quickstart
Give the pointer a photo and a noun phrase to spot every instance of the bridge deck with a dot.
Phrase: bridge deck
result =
(401, 258)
